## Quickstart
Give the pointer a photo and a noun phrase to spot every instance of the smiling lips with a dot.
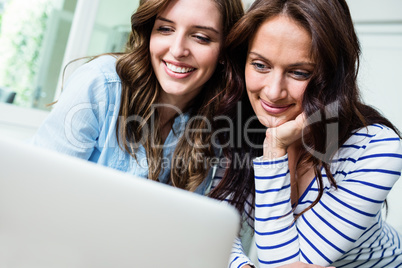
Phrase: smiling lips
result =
(274, 109)
(178, 71)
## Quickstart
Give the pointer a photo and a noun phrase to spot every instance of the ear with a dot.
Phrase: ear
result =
(221, 60)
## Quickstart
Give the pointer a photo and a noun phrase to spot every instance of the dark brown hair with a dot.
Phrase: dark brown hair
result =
(336, 50)
(141, 90)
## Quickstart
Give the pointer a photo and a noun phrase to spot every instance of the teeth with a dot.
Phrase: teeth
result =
(178, 69)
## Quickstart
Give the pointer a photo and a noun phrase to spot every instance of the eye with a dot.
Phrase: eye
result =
(300, 75)
(202, 39)
(260, 67)
(164, 29)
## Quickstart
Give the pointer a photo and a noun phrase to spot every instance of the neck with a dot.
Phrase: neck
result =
(175, 104)
(168, 110)
(166, 116)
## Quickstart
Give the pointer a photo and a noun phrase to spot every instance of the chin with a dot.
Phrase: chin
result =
(271, 122)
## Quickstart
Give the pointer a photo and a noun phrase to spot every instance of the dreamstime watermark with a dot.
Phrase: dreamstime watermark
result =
(86, 123)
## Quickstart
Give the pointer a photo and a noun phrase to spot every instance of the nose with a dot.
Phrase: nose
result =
(275, 86)
(179, 48)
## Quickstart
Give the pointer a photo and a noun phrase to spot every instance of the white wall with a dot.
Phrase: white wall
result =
(379, 27)
(247, 3)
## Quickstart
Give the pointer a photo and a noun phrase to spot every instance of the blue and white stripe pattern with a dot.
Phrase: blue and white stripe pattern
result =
(237, 258)
(346, 228)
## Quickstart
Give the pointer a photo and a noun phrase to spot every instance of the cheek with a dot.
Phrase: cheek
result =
(248, 79)
(152, 40)
(252, 100)
(298, 91)
(253, 82)
(157, 45)
(208, 58)
(152, 48)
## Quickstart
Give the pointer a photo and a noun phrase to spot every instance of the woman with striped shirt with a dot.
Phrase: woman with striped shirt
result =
(321, 162)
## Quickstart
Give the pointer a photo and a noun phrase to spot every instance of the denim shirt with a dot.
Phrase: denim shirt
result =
(83, 123)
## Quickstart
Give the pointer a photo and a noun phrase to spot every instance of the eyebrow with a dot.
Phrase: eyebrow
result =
(291, 65)
(195, 26)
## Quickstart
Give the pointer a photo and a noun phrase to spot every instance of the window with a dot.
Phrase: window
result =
(39, 37)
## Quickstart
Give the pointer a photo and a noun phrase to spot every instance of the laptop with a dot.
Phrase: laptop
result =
(57, 211)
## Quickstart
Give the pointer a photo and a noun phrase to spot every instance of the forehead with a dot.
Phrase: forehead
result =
(282, 35)
(205, 12)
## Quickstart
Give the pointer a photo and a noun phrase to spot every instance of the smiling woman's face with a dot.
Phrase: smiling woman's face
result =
(184, 47)
(278, 69)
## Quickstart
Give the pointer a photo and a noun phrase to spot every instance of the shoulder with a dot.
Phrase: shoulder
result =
(375, 149)
(372, 134)
(94, 81)
(102, 67)
(372, 142)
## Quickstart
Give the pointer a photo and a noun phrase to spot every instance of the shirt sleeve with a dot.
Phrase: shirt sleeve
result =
(238, 258)
(331, 228)
(73, 126)
(275, 233)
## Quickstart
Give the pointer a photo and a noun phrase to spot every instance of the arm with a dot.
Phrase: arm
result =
(331, 228)
(275, 233)
(238, 258)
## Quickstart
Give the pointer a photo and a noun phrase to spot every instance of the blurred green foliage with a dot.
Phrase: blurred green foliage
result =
(23, 25)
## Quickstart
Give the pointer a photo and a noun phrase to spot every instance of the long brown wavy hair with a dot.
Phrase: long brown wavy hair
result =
(141, 91)
(336, 50)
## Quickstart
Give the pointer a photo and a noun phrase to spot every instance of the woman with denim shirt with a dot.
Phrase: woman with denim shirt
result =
(129, 111)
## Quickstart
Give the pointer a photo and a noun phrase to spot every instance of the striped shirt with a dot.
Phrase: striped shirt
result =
(346, 228)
